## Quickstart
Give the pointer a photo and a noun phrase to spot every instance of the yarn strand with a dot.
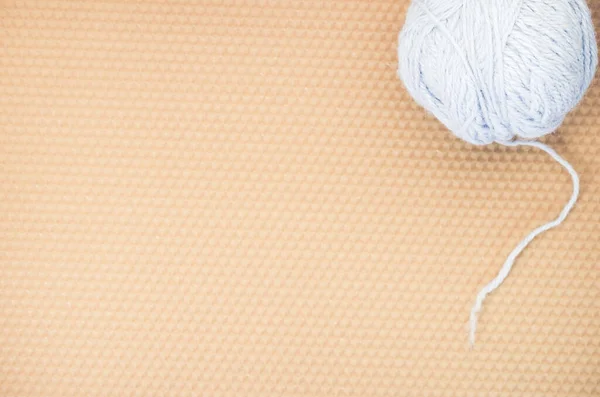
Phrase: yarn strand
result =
(508, 264)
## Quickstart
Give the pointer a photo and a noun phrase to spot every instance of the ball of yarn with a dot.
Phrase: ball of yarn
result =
(493, 70)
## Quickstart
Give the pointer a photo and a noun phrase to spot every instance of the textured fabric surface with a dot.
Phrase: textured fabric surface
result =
(230, 198)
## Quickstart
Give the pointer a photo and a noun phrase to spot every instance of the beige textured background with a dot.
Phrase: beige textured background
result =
(238, 198)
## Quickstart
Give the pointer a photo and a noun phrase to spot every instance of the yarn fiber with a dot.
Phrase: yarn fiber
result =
(492, 70)
(505, 71)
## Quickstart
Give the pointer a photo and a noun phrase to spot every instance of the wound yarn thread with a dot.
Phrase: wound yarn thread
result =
(500, 71)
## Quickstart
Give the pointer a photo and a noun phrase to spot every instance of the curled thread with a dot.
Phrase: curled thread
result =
(508, 264)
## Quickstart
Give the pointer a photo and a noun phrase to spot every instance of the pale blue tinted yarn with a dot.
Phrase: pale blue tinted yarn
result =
(496, 70)
(505, 270)
(491, 70)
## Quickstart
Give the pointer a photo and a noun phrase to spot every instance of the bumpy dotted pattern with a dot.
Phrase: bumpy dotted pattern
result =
(238, 198)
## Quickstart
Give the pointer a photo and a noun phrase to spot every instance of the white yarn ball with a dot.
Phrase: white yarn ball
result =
(492, 70)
